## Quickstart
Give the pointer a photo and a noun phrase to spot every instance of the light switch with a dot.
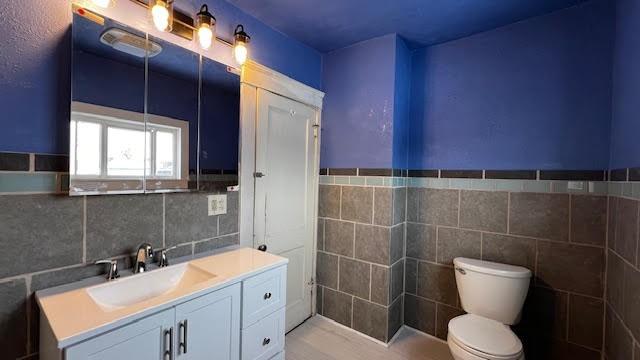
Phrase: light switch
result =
(217, 204)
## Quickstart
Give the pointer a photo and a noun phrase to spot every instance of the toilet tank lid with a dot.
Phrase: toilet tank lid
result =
(492, 268)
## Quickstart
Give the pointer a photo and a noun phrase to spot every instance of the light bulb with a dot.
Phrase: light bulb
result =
(102, 3)
(240, 52)
(160, 15)
(240, 41)
(205, 36)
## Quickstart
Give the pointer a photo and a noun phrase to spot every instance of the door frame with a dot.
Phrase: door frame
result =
(255, 76)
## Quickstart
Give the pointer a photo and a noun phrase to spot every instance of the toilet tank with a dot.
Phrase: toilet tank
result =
(492, 290)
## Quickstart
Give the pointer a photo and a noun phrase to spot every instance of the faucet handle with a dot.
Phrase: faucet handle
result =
(113, 268)
(163, 261)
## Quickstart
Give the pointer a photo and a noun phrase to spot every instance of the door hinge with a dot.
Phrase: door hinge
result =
(311, 282)
(258, 174)
(315, 130)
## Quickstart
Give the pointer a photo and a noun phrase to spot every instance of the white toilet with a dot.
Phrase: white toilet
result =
(492, 294)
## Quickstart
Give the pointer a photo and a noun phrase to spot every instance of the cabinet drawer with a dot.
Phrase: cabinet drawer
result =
(278, 356)
(264, 339)
(263, 294)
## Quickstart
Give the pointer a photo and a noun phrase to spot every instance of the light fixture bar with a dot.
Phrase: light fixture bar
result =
(189, 26)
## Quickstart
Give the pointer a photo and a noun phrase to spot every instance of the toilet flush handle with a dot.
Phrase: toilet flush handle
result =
(461, 271)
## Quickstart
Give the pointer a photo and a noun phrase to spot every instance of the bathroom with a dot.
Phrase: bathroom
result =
(362, 180)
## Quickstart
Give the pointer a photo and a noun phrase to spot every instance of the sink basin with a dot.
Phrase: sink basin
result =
(141, 287)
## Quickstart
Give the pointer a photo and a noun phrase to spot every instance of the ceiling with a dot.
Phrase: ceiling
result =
(332, 24)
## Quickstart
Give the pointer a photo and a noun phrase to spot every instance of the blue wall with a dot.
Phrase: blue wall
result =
(532, 95)
(625, 126)
(35, 54)
(401, 105)
(358, 110)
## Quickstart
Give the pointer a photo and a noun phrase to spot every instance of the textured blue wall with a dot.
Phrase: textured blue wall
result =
(358, 109)
(35, 54)
(531, 95)
(401, 105)
(625, 126)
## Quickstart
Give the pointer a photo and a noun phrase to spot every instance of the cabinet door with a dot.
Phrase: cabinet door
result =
(145, 339)
(208, 327)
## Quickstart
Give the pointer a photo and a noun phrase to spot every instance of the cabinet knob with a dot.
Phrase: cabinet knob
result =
(266, 341)
(267, 296)
(262, 248)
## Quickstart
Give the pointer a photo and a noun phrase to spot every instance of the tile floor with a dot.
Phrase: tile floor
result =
(321, 339)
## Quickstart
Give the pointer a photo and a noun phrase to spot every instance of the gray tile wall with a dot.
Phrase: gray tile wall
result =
(360, 261)
(622, 320)
(50, 240)
(560, 237)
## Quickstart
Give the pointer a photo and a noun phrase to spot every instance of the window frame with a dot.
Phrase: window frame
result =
(107, 117)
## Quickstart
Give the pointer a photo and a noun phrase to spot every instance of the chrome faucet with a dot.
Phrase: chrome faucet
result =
(163, 261)
(113, 268)
(144, 253)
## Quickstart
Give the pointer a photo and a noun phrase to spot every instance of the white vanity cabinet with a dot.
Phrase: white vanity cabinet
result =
(196, 329)
(240, 316)
(263, 315)
(144, 340)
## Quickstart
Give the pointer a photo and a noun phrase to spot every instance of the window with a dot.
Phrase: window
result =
(105, 147)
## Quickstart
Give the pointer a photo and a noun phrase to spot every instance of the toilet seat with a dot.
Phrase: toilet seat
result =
(484, 337)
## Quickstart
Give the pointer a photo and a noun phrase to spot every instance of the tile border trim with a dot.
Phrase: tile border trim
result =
(630, 174)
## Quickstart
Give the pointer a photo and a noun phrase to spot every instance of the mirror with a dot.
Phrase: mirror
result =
(219, 126)
(172, 117)
(147, 115)
(107, 145)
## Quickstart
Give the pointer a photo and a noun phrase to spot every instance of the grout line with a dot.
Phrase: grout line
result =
(164, 220)
(352, 303)
(508, 212)
(512, 235)
(535, 265)
(370, 280)
(354, 240)
(637, 233)
(338, 274)
(568, 317)
(340, 204)
(29, 313)
(437, 238)
(84, 229)
(459, 204)
(570, 232)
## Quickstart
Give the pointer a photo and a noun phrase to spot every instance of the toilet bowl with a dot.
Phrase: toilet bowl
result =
(492, 294)
(473, 337)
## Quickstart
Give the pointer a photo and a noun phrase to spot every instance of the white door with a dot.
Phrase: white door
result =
(285, 193)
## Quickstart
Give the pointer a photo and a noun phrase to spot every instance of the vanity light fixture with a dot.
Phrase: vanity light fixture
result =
(102, 3)
(162, 14)
(240, 41)
(206, 27)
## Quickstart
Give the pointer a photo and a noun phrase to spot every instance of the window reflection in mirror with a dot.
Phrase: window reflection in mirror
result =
(107, 142)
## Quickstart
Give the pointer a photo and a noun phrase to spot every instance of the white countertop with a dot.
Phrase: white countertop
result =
(74, 316)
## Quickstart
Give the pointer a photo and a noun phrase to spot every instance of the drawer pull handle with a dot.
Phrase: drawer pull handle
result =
(266, 341)
(267, 296)
(168, 344)
(182, 344)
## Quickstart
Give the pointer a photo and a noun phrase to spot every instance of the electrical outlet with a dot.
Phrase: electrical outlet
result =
(575, 185)
(217, 204)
